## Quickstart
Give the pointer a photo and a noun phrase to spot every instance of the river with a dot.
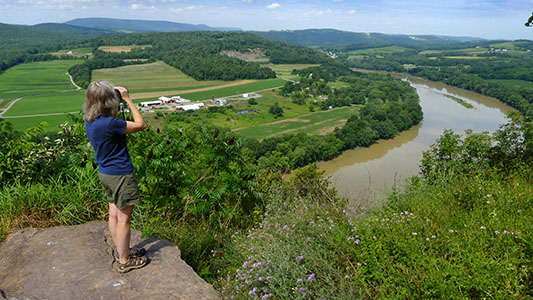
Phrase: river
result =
(366, 175)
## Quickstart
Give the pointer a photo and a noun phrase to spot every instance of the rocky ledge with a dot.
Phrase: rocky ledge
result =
(75, 262)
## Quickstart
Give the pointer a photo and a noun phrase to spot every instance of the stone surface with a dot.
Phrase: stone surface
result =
(75, 262)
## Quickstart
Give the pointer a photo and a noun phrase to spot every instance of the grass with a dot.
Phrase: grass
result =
(423, 244)
(156, 76)
(260, 114)
(52, 122)
(314, 123)
(69, 101)
(514, 82)
(284, 70)
(230, 91)
(36, 79)
(460, 101)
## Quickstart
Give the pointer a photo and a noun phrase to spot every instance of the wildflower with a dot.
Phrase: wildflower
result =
(414, 233)
(451, 230)
(256, 265)
(302, 289)
(311, 277)
(252, 291)
(427, 239)
(483, 227)
(299, 257)
(357, 242)
(299, 280)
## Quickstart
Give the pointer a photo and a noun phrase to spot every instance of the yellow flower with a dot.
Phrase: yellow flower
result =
(256, 212)
(138, 157)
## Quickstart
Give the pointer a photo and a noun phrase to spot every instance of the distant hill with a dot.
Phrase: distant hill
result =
(80, 31)
(128, 26)
(333, 38)
(18, 37)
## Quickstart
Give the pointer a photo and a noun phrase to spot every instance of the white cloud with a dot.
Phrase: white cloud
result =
(352, 12)
(137, 6)
(337, 0)
(178, 10)
(274, 6)
(247, 1)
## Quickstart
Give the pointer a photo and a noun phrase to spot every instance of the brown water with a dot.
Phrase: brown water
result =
(366, 175)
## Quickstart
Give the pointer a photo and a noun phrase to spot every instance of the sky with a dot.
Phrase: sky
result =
(490, 19)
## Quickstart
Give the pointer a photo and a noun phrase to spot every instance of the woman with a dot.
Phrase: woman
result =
(107, 135)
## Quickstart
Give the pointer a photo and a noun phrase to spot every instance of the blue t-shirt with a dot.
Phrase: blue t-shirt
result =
(107, 137)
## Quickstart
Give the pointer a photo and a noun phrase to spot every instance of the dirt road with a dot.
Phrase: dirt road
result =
(173, 93)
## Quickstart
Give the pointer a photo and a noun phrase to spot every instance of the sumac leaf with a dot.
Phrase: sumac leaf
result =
(215, 135)
(149, 155)
(168, 142)
(206, 196)
(231, 140)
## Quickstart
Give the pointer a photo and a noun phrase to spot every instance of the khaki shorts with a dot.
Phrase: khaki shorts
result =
(122, 190)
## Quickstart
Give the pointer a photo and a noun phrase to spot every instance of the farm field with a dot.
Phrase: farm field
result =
(514, 82)
(52, 122)
(320, 122)
(118, 49)
(284, 70)
(374, 51)
(78, 52)
(156, 76)
(59, 102)
(36, 79)
(228, 91)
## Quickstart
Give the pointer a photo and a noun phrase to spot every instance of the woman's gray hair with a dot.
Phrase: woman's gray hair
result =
(100, 100)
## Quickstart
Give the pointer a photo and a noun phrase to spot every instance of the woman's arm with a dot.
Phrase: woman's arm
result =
(138, 123)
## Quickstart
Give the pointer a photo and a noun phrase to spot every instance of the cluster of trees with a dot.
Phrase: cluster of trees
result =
(389, 106)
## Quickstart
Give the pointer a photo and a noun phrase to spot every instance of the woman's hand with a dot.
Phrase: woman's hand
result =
(124, 93)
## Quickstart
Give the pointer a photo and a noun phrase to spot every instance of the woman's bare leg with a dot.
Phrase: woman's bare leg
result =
(121, 229)
(113, 222)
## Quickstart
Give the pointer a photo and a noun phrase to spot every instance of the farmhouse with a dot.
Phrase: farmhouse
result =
(178, 99)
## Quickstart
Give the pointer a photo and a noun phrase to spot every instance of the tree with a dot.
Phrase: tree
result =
(276, 110)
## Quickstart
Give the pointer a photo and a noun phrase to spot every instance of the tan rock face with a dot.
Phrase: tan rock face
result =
(75, 262)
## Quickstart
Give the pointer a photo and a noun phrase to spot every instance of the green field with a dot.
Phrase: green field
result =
(52, 122)
(258, 113)
(36, 79)
(314, 123)
(59, 102)
(75, 52)
(230, 91)
(156, 76)
(375, 51)
(514, 82)
(284, 70)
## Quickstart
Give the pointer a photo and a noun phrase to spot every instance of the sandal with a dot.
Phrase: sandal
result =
(132, 263)
(132, 253)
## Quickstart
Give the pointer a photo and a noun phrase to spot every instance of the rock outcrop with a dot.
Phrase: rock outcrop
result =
(75, 262)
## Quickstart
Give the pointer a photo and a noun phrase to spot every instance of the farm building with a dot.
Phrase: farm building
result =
(193, 106)
(165, 100)
(178, 99)
(150, 103)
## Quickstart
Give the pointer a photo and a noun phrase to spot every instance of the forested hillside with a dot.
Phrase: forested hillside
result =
(331, 37)
(472, 66)
(199, 54)
(130, 26)
(83, 32)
